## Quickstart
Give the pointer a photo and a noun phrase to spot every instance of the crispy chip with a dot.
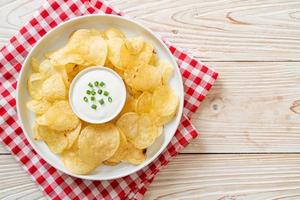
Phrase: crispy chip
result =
(113, 33)
(97, 143)
(166, 70)
(118, 54)
(146, 78)
(35, 64)
(73, 135)
(164, 101)
(121, 151)
(161, 120)
(144, 103)
(110, 163)
(76, 165)
(129, 106)
(38, 106)
(54, 88)
(135, 44)
(143, 57)
(128, 123)
(153, 60)
(134, 155)
(60, 117)
(34, 84)
(56, 141)
(147, 132)
(36, 132)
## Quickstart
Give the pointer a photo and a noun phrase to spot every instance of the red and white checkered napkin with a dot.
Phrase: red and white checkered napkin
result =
(198, 79)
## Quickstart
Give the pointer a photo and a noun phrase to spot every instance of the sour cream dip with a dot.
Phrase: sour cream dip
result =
(97, 94)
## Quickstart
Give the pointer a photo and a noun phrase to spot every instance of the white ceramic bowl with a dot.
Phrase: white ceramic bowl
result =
(55, 39)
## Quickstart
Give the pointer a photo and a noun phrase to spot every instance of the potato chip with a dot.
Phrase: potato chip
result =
(76, 165)
(97, 143)
(146, 78)
(135, 44)
(34, 84)
(56, 141)
(118, 54)
(38, 106)
(143, 57)
(36, 132)
(110, 163)
(62, 57)
(35, 64)
(46, 68)
(166, 71)
(134, 155)
(164, 101)
(121, 151)
(147, 132)
(41, 120)
(113, 33)
(60, 117)
(161, 120)
(54, 88)
(160, 130)
(153, 60)
(73, 135)
(144, 103)
(129, 106)
(128, 123)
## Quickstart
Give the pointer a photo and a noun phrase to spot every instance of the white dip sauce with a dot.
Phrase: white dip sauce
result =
(95, 110)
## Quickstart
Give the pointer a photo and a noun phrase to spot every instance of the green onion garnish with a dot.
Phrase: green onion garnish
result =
(85, 99)
(102, 83)
(93, 92)
(88, 92)
(109, 99)
(99, 91)
(101, 101)
(92, 98)
(106, 93)
(90, 84)
(96, 83)
(94, 107)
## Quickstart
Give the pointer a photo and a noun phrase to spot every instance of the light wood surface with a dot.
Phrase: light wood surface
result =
(249, 124)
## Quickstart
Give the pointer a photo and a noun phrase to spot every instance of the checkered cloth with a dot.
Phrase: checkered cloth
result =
(198, 79)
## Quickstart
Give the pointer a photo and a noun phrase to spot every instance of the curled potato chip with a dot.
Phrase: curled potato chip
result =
(98, 143)
(128, 123)
(161, 120)
(54, 88)
(60, 117)
(134, 155)
(143, 57)
(135, 44)
(118, 54)
(113, 33)
(129, 106)
(38, 106)
(36, 132)
(46, 68)
(75, 164)
(144, 103)
(146, 78)
(166, 71)
(164, 101)
(56, 141)
(73, 135)
(34, 84)
(153, 60)
(147, 132)
(35, 64)
(121, 151)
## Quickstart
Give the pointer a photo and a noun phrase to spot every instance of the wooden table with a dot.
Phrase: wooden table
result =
(249, 123)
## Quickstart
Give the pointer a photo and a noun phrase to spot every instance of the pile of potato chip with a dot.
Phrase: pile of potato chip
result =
(150, 103)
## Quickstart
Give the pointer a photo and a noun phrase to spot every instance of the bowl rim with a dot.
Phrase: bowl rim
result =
(163, 146)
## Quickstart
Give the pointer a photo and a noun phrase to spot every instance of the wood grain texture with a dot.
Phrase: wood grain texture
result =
(224, 30)
(222, 177)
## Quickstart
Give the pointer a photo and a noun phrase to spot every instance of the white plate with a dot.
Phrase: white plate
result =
(55, 39)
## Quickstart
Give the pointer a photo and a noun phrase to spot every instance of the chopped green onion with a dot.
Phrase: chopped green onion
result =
(109, 99)
(99, 91)
(96, 83)
(85, 99)
(88, 92)
(101, 101)
(92, 98)
(90, 84)
(94, 107)
(106, 93)
(93, 92)
(102, 83)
